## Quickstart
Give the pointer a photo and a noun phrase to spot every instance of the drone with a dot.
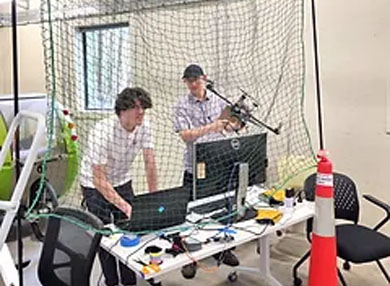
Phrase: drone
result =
(240, 112)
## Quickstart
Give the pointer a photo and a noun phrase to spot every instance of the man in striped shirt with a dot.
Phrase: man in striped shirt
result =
(197, 119)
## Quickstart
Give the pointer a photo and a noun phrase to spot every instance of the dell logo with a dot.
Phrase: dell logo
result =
(235, 143)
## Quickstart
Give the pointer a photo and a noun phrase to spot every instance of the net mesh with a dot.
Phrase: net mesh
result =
(93, 50)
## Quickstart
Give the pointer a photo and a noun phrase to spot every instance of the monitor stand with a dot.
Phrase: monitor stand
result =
(243, 213)
(238, 201)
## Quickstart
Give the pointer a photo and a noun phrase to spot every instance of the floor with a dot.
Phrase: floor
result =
(285, 252)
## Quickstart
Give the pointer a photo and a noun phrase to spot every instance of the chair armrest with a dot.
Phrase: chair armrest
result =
(382, 205)
(378, 202)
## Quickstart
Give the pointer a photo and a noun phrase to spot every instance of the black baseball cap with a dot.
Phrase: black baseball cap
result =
(193, 71)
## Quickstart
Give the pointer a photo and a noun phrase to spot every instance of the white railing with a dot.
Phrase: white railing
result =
(11, 207)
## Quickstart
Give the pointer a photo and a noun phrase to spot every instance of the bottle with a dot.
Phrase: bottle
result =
(289, 199)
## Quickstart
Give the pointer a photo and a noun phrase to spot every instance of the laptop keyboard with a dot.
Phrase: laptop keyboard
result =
(212, 206)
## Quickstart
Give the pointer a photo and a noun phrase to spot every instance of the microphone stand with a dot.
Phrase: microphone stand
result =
(252, 119)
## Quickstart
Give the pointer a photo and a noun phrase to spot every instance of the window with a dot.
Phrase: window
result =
(105, 62)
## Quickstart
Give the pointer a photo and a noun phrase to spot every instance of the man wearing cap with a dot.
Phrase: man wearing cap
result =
(197, 119)
(196, 115)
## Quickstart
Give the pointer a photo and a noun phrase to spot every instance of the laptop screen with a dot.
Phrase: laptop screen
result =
(157, 210)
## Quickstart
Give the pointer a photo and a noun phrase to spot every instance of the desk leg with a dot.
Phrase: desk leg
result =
(264, 268)
(265, 261)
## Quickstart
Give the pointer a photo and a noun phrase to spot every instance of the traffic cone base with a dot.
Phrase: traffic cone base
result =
(323, 253)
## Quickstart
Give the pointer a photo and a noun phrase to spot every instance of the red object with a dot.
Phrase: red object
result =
(323, 257)
(73, 137)
(66, 112)
(324, 186)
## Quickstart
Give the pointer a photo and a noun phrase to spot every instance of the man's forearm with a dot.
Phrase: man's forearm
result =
(191, 135)
(150, 169)
(109, 193)
(151, 175)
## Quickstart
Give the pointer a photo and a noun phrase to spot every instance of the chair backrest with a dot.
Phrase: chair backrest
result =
(346, 200)
(69, 249)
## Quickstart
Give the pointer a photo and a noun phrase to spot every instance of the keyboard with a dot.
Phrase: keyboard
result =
(212, 206)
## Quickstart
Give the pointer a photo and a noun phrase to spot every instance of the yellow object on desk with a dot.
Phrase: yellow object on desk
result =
(147, 268)
(276, 194)
(264, 215)
(155, 267)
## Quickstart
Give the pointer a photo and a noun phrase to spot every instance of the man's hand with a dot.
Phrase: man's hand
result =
(234, 126)
(219, 125)
(126, 208)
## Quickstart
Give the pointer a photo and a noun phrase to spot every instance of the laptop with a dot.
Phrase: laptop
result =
(158, 210)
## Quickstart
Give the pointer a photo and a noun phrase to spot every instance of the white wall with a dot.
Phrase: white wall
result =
(5, 60)
(354, 42)
(30, 52)
(31, 68)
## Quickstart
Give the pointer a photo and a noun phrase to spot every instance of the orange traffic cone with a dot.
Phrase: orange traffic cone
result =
(323, 258)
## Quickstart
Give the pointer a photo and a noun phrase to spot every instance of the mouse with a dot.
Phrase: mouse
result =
(266, 221)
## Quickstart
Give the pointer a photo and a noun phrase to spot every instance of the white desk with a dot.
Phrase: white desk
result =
(128, 255)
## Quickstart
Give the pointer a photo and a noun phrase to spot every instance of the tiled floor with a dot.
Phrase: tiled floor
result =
(285, 253)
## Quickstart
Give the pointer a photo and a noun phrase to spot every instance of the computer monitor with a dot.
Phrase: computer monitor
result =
(217, 164)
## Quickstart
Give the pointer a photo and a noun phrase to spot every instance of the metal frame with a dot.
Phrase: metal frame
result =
(11, 207)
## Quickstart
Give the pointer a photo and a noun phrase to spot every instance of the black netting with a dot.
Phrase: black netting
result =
(93, 50)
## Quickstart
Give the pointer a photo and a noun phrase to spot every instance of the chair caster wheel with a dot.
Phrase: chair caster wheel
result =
(189, 271)
(297, 281)
(346, 265)
(232, 277)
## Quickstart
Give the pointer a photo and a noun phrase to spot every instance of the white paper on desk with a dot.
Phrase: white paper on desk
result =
(194, 218)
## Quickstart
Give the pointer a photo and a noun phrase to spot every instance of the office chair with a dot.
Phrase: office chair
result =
(355, 243)
(69, 250)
